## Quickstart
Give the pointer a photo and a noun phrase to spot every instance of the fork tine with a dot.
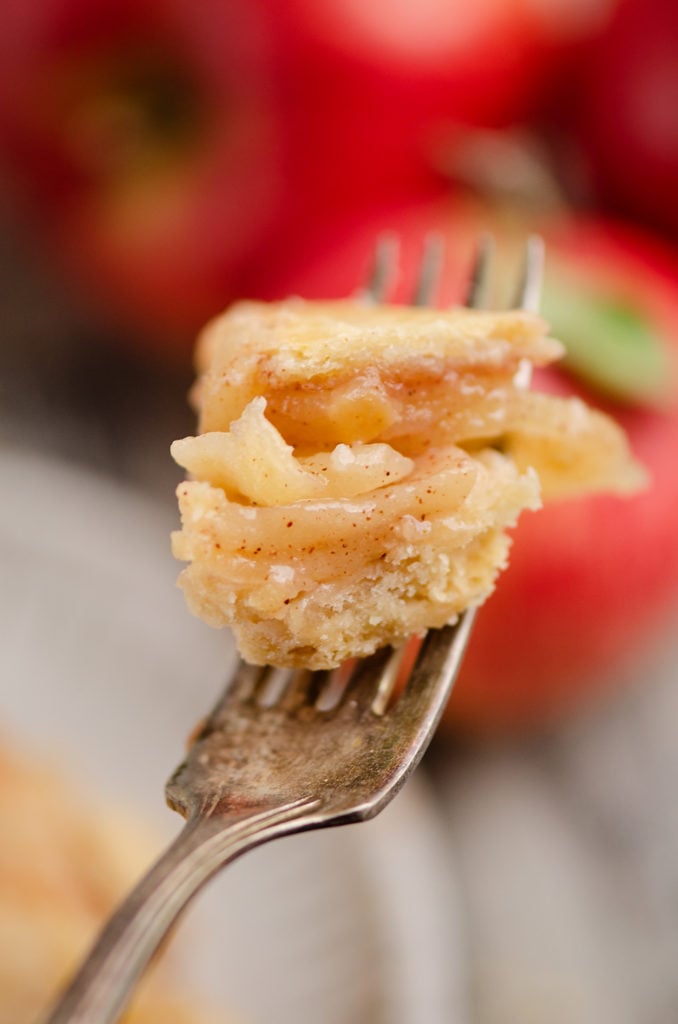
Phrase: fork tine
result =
(478, 285)
(330, 686)
(383, 268)
(244, 682)
(529, 288)
(364, 683)
(389, 677)
(434, 671)
(274, 687)
(430, 269)
(301, 691)
(528, 295)
(247, 682)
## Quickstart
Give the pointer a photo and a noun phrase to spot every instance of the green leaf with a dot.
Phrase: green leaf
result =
(611, 343)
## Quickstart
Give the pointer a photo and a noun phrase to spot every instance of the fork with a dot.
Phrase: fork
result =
(284, 750)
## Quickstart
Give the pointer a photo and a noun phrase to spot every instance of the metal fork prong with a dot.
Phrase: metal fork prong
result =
(244, 683)
(388, 680)
(479, 280)
(301, 691)
(273, 686)
(364, 683)
(332, 687)
(430, 270)
(529, 287)
(383, 270)
(262, 685)
(528, 296)
(434, 671)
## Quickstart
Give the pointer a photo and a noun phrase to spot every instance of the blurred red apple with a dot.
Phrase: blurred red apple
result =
(373, 85)
(588, 580)
(163, 146)
(143, 138)
(625, 116)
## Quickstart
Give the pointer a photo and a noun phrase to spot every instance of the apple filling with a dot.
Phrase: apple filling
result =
(357, 468)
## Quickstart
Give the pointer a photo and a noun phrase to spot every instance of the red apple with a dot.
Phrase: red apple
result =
(372, 86)
(163, 145)
(143, 137)
(625, 115)
(588, 580)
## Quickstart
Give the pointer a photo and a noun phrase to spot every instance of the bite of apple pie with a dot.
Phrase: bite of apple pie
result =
(357, 467)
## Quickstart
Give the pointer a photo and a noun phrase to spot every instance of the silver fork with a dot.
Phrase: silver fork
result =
(286, 751)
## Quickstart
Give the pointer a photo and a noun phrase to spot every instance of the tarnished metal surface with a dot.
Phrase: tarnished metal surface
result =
(349, 760)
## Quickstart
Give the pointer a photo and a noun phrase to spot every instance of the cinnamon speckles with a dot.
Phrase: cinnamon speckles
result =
(347, 495)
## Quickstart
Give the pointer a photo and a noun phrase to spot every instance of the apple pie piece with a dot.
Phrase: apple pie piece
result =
(357, 467)
(63, 867)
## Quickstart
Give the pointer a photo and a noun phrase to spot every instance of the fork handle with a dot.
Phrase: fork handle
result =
(99, 991)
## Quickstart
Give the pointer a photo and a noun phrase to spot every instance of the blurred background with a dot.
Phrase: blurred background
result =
(161, 158)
